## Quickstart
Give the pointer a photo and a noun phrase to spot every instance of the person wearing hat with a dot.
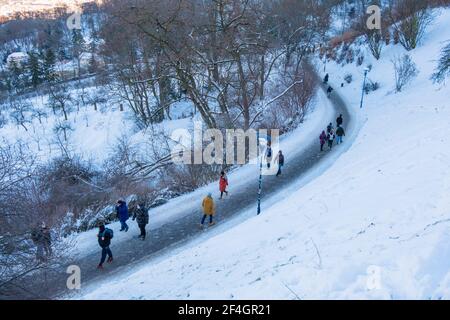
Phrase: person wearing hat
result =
(47, 239)
(280, 160)
(122, 214)
(104, 240)
(209, 209)
(223, 183)
(37, 237)
(141, 216)
(268, 154)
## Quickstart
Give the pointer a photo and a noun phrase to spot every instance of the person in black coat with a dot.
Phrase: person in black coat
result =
(339, 121)
(141, 217)
(104, 240)
(329, 128)
(280, 160)
(41, 237)
(325, 80)
(330, 137)
(329, 91)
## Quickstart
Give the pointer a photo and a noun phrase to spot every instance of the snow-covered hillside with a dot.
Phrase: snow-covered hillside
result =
(374, 225)
(93, 134)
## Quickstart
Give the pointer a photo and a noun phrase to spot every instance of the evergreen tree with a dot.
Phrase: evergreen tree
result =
(93, 65)
(18, 79)
(49, 66)
(34, 69)
(78, 46)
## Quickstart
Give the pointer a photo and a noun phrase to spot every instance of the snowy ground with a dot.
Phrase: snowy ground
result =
(374, 225)
(93, 134)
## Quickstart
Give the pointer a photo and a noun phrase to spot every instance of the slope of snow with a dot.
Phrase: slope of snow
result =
(374, 225)
(93, 135)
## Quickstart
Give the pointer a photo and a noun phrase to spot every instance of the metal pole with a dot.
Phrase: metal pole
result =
(258, 211)
(364, 86)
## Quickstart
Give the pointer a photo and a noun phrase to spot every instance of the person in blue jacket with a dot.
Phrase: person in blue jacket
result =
(122, 214)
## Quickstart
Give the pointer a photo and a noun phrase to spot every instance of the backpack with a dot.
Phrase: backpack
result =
(35, 235)
(109, 232)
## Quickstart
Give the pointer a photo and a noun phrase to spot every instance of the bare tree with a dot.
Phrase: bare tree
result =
(20, 212)
(409, 19)
(20, 112)
(221, 53)
(60, 99)
(405, 71)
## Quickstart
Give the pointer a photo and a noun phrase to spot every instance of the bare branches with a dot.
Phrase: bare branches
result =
(273, 100)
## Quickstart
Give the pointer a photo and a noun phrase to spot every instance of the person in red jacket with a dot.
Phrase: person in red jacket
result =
(223, 183)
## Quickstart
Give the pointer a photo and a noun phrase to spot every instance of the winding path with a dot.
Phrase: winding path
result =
(177, 233)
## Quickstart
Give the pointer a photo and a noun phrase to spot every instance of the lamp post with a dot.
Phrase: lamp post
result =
(258, 210)
(366, 70)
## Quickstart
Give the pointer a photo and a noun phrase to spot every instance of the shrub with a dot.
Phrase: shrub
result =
(371, 86)
(360, 60)
(410, 19)
(375, 43)
(348, 78)
(405, 70)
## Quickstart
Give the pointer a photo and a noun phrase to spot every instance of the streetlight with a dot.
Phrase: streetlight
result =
(260, 155)
(366, 70)
(258, 211)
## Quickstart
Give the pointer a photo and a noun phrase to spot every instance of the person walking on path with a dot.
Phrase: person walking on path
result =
(223, 183)
(325, 80)
(141, 217)
(280, 160)
(330, 139)
(209, 209)
(323, 139)
(339, 121)
(122, 214)
(329, 91)
(268, 155)
(104, 240)
(37, 236)
(339, 134)
(41, 237)
(329, 128)
(47, 240)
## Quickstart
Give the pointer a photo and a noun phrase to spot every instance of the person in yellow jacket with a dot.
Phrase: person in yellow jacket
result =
(209, 209)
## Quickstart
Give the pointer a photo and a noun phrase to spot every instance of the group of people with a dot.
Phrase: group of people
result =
(331, 134)
(325, 81)
(140, 214)
(208, 205)
(279, 158)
